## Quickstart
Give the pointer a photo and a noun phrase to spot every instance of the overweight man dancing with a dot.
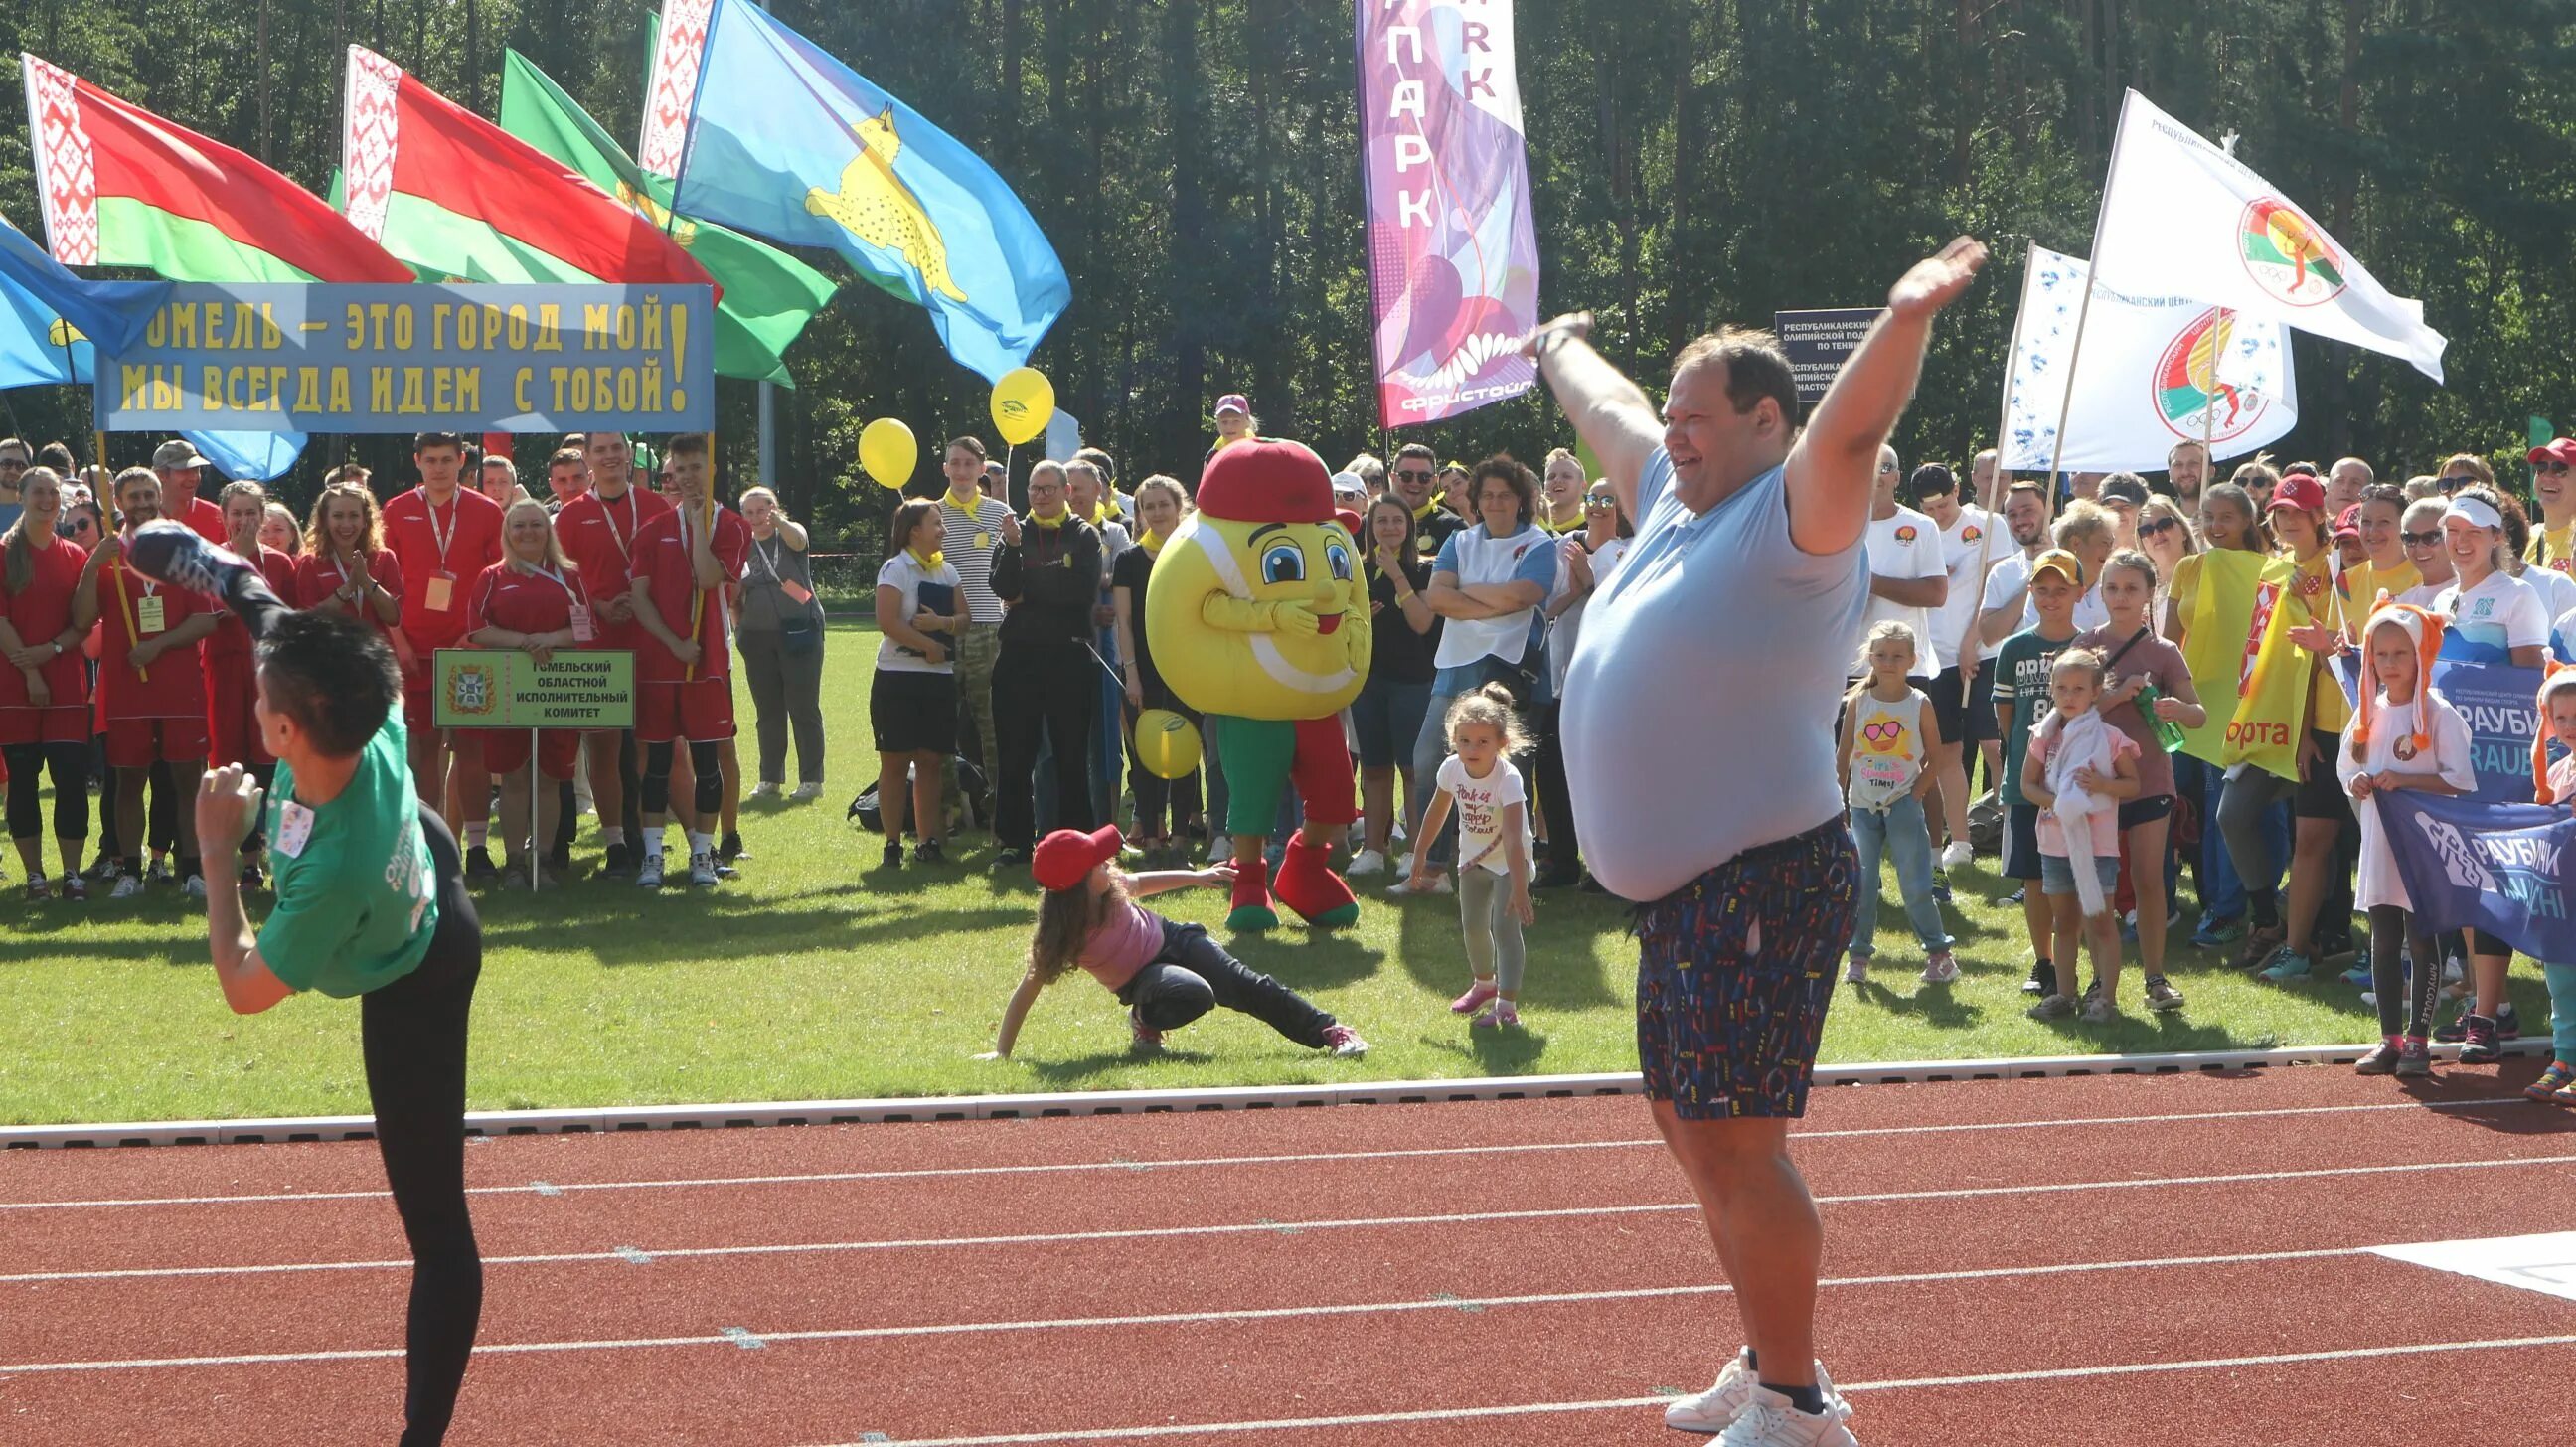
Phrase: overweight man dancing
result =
(1700, 761)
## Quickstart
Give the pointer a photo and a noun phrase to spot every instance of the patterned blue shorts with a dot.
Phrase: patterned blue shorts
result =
(1735, 970)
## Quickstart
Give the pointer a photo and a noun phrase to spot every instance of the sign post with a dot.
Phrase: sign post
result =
(497, 688)
(1817, 342)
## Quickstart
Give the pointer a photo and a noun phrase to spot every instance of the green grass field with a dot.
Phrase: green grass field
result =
(816, 975)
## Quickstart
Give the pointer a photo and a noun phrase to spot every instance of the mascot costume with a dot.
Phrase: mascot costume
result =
(1260, 622)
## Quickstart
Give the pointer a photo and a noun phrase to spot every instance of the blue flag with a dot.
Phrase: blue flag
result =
(789, 143)
(2470, 864)
(51, 321)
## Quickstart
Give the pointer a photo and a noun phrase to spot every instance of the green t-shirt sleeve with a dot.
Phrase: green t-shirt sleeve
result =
(308, 929)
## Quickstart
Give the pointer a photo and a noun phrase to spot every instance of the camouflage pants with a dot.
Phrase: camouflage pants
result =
(977, 652)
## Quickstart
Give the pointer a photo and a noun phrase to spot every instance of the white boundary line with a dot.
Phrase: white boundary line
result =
(1201, 1318)
(1534, 1409)
(562, 1188)
(1149, 1102)
(629, 1254)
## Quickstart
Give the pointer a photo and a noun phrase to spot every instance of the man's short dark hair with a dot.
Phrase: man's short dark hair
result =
(333, 675)
(12, 444)
(423, 441)
(1755, 368)
(1100, 460)
(1416, 449)
(687, 444)
(566, 457)
(970, 443)
(58, 457)
(1932, 480)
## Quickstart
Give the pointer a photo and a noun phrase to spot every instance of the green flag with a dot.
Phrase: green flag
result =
(769, 296)
(2542, 433)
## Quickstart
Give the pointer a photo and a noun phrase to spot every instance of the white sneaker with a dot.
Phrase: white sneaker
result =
(1769, 1421)
(804, 792)
(1403, 864)
(648, 874)
(702, 869)
(196, 886)
(1367, 861)
(1857, 972)
(127, 887)
(764, 790)
(1403, 888)
(1716, 1409)
(1959, 855)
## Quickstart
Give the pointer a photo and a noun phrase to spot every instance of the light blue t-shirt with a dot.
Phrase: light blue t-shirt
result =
(1699, 709)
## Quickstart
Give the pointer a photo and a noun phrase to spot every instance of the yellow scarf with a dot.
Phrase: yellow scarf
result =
(1424, 512)
(1151, 542)
(1050, 524)
(966, 505)
(1562, 529)
(1099, 513)
(932, 563)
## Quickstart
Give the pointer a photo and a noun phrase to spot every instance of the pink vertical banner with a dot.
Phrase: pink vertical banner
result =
(1453, 259)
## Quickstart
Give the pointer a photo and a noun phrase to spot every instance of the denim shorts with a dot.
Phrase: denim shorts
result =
(1385, 720)
(2057, 874)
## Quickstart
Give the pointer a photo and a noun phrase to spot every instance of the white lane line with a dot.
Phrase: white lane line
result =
(561, 1188)
(1610, 1404)
(1294, 1227)
(740, 1336)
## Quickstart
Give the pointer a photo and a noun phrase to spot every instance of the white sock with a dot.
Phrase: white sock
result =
(651, 843)
(701, 844)
(478, 835)
(612, 833)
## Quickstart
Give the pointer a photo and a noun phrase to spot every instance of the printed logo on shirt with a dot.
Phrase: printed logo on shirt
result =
(1886, 736)
(1971, 533)
(1905, 533)
(2485, 608)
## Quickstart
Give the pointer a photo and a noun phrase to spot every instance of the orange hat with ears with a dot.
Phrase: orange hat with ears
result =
(2554, 677)
(2422, 629)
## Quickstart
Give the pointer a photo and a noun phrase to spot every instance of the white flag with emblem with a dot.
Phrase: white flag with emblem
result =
(2157, 370)
(2182, 217)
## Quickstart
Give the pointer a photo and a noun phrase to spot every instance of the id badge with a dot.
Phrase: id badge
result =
(583, 631)
(441, 597)
(796, 590)
(294, 829)
(151, 614)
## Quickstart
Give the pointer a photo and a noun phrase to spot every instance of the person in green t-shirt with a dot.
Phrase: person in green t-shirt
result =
(371, 903)
(2021, 700)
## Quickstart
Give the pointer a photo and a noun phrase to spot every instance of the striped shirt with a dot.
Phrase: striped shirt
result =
(969, 546)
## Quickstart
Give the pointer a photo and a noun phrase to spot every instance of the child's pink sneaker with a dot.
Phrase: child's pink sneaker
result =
(1498, 1014)
(1476, 995)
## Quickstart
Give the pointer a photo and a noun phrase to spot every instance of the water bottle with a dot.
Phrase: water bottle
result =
(2169, 735)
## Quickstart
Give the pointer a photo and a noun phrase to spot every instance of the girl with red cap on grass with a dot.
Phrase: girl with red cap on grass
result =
(1166, 973)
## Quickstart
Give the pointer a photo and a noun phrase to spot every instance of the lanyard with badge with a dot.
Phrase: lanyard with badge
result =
(441, 597)
(583, 630)
(145, 616)
(768, 553)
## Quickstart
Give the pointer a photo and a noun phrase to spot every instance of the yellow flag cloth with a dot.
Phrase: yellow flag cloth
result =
(2222, 611)
(2272, 710)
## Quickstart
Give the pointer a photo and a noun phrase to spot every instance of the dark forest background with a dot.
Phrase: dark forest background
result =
(1693, 161)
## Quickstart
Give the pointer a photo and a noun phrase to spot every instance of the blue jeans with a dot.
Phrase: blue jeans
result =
(1899, 833)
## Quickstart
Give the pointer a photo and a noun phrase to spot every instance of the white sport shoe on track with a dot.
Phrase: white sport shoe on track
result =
(1716, 1409)
(1768, 1420)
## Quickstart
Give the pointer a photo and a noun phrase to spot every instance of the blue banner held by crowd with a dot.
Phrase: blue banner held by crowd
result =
(2497, 700)
(370, 357)
(2472, 864)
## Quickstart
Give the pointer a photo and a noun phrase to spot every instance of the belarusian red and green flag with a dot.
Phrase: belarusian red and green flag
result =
(455, 195)
(120, 186)
(769, 295)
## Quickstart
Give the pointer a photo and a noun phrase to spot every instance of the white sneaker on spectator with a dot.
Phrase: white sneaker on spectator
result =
(764, 790)
(648, 874)
(1959, 855)
(1403, 864)
(1436, 884)
(702, 869)
(1367, 861)
(804, 792)
(196, 886)
(127, 887)
(1768, 1420)
(1716, 1409)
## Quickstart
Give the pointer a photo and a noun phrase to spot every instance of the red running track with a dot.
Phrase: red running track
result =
(2113, 1259)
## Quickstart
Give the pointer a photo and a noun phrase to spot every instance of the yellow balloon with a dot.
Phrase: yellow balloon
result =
(1166, 743)
(888, 452)
(1023, 401)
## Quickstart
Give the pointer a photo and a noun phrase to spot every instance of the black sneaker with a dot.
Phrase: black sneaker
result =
(2382, 1060)
(729, 848)
(252, 877)
(1553, 879)
(893, 856)
(1011, 859)
(2413, 1058)
(170, 551)
(620, 861)
(1940, 886)
(559, 858)
(478, 864)
(928, 851)
(2042, 981)
(2508, 1024)
(2478, 1041)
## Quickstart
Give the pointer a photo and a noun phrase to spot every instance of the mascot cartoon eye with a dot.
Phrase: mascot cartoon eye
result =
(1286, 563)
(1338, 558)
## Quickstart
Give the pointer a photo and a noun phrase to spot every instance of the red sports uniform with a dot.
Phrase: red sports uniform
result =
(318, 576)
(205, 519)
(232, 681)
(530, 602)
(672, 699)
(39, 613)
(156, 713)
(599, 537)
(442, 551)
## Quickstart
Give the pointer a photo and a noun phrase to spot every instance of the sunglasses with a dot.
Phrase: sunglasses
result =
(1410, 475)
(2155, 527)
(2421, 540)
(1598, 500)
(14, 465)
(2552, 468)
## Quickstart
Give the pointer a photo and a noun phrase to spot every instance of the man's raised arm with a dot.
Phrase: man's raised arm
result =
(1830, 469)
(1609, 412)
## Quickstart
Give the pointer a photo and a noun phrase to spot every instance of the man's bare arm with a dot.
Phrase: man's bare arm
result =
(1610, 413)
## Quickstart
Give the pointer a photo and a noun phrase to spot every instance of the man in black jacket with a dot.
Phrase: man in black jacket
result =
(1046, 677)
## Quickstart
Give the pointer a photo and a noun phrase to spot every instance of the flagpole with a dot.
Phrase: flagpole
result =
(2092, 269)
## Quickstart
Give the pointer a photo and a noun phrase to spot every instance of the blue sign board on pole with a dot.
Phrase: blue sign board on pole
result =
(380, 357)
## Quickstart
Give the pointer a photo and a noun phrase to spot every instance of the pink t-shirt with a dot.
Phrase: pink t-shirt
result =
(1122, 944)
(2105, 825)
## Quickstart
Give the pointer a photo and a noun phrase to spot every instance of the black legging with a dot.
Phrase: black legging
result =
(2399, 1005)
(161, 820)
(413, 1038)
(69, 764)
(1155, 795)
(1555, 802)
(707, 784)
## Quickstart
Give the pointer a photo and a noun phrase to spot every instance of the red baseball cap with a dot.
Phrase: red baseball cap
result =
(2349, 525)
(1267, 480)
(2562, 449)
(1066, 858)
(2298, 490)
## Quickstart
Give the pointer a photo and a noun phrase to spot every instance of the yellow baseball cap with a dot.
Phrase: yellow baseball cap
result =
(2061, 562)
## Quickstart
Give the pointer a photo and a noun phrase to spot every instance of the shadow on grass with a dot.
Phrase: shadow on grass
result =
(1491, 1051)
(1081, 1070)
(1933, 1004)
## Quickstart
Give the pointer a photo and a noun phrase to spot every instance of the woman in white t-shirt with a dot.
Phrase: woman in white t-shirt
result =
(912, 704)
(2488, 615)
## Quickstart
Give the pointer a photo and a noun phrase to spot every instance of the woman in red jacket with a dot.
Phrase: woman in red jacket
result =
(532, 600)
(44, 692)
